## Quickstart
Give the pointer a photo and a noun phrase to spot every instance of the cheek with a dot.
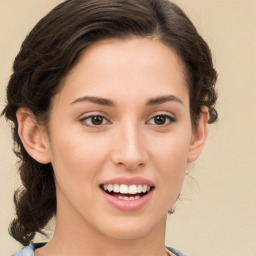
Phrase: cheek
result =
(171, 160)
(76, 159)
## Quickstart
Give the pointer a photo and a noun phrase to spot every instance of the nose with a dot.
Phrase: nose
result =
(129, 147)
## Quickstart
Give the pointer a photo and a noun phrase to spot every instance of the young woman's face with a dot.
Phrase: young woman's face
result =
(120, 122)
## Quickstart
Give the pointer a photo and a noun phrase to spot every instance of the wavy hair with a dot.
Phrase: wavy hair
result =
(52, 48)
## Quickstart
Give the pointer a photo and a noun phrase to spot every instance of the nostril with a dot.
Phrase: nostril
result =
(131, 165)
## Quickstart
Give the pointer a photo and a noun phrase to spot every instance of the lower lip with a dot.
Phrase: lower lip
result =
(128, 205)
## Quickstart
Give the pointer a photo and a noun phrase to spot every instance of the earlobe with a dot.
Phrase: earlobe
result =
(33, 136)
(199, 136)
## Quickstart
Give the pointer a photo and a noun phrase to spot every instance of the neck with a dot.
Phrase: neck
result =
(77, 242)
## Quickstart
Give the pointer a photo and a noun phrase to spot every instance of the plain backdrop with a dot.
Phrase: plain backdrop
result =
(217, 211)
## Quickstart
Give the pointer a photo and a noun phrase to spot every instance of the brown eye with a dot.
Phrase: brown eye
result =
(161, 120)
(97, 120)
(93, 120)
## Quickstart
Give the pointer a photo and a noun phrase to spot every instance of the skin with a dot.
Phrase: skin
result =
(128, 143)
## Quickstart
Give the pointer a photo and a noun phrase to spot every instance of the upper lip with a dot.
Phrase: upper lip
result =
(129, 181)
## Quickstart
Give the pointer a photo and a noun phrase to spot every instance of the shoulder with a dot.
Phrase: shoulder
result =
(28, 250)
(176, 252)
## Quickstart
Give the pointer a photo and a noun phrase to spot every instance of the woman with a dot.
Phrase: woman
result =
(109, 101)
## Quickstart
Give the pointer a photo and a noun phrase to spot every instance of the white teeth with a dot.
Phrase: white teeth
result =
(110, 188)
(116, 188)
(144, 188)
(133, 189)
(125, 189)
(126, 198)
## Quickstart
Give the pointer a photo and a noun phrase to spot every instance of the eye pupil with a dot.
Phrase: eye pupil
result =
(97, 120)
(160, 120)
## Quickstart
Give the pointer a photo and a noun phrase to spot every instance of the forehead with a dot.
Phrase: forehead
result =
(134, 66)
(112, 53)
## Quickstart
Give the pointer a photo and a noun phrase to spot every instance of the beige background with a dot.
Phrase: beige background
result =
(217, 213)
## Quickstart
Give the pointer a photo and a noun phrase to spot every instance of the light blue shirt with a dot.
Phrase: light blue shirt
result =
(29, 250)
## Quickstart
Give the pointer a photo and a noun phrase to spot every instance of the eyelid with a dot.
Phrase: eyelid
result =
(92, 113)
(83, 117)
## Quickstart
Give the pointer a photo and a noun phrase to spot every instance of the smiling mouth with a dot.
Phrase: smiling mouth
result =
(126, 192)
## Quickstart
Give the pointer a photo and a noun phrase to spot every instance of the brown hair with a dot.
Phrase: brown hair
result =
(50, 51)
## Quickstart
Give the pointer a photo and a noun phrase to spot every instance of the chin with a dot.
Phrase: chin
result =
(131, 229)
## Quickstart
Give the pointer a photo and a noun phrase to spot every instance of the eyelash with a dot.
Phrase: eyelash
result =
(167, 117)
(84, 120)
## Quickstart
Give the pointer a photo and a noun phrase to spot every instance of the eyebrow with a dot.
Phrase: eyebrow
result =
(106, 102)
(163, 99)
(96, 100)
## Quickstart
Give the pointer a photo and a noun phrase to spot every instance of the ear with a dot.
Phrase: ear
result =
(199, 136)
(33, 136)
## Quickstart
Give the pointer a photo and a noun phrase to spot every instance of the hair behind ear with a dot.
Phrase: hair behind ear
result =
(35, 200)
